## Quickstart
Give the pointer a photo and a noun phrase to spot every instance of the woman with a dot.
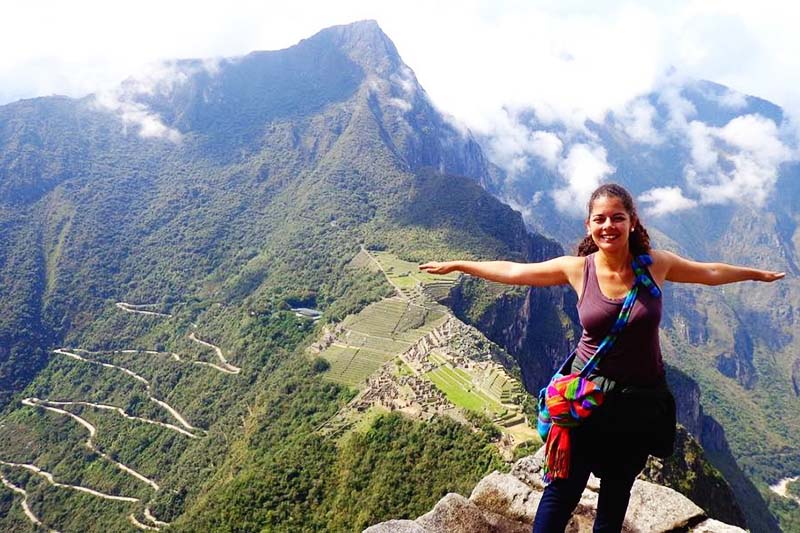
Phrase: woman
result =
(602, 274)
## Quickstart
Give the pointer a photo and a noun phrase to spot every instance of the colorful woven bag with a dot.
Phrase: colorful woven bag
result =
(570, 398)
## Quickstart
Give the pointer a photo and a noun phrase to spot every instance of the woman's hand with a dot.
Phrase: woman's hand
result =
(769, 276)
(438, 267)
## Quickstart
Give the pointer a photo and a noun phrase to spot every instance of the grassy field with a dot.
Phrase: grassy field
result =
(457, 385)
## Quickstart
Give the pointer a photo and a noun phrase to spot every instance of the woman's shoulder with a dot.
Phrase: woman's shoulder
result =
(574, 261)
(662, 261)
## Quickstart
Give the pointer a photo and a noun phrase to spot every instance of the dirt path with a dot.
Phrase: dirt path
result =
(144, 527)
(25, 507)
(49, 477)
(399, 291)
(175, 414)
(781, 488)
(44, 404)
(136, 308)
(121, 412)
(226, 366)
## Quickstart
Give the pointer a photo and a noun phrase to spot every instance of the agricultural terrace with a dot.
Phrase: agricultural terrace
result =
(406, 275)
(379, 333)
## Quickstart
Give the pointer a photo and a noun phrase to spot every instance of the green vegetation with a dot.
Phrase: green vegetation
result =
(458, 387)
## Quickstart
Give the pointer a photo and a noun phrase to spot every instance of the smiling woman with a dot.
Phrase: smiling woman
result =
(614, 261)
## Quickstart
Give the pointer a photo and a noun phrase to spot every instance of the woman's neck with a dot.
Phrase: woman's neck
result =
(615, 262)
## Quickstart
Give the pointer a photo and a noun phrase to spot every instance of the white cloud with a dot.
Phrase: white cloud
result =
(637, 122)
(512, 144)
(583, 169)
(547, 146)
(679, 108)
(157, 79)
(703, 152)
(569, 60)
(148, 125)
(733, 100)
(665, 200)
(749, 153)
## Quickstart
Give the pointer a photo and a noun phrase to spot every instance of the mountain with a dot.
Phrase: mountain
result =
(155, 242)
(716, 180)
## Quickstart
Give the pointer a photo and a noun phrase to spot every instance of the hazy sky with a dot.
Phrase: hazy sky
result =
(471, 56)
(476, 59)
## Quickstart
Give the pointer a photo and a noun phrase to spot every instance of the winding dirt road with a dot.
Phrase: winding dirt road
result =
(25, 507)
(226, 366)
(175, 414)
(49, 477)
(44, 404)
(136, 308)
(121, 412)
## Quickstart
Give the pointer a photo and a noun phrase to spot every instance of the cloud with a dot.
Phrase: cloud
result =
(637, 122)
(737, 163)
(158, 79)
(512, 144)
(665, 200)
(547, 146)
(584, 168)
(147, 124)
(679, 109)
(733, 100)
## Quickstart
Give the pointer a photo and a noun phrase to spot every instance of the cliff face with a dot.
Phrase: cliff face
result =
(536, 326)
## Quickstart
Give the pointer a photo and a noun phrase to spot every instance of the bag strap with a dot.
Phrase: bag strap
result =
(643, 278)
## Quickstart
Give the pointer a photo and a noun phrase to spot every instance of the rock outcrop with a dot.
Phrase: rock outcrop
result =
(507, 503)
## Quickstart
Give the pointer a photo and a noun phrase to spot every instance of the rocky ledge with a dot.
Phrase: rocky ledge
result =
(506, 503)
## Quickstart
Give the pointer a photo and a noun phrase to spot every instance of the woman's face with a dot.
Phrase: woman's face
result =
(609, 224)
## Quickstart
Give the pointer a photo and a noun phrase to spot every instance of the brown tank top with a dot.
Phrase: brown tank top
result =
(635, 358)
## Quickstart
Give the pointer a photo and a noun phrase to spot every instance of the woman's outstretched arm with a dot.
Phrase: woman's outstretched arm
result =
(681, 270)
(558, 271)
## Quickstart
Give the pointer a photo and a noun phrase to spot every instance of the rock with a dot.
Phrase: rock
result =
(507, 503)
(656, 508)
(506, 495)
(529, 469)
(396, 526)
(715, 526)
(454, 513)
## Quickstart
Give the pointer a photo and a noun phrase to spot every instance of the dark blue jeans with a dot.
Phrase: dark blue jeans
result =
(616, 462)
